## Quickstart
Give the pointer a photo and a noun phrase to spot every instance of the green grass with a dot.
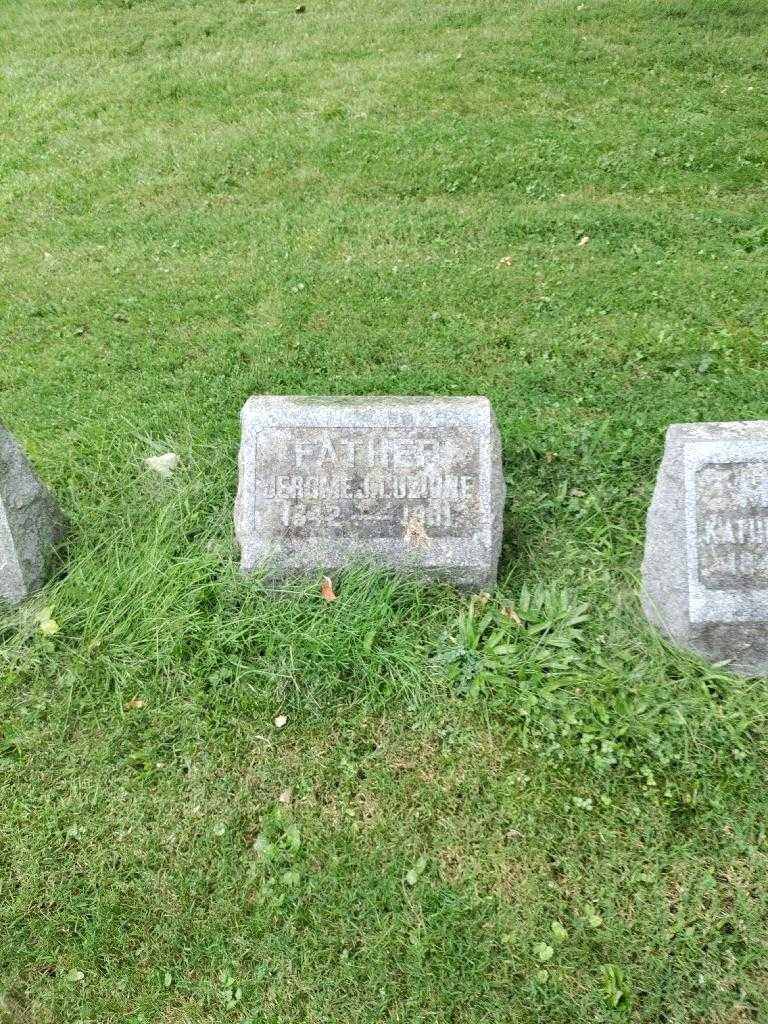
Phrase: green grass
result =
(207, 200)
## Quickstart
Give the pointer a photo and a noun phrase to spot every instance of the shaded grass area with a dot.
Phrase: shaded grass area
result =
(464, 818)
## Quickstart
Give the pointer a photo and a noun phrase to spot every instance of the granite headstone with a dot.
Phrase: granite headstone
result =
(405, 483)
(30, 524)
(705, 571)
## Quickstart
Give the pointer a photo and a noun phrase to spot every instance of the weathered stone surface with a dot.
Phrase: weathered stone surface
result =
(408, 483)
(30, 524)
(705, 572)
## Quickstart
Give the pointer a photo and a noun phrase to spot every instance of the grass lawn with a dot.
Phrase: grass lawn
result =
(209, 199)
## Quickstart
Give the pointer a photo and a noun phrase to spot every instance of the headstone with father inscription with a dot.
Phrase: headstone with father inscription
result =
(405, 483)
(705, 572)
(30, 524)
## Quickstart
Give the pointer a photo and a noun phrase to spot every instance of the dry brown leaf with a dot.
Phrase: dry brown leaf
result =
(326, 589)
(415, 535)
(510, 613)
(550, 457)
(134, 705)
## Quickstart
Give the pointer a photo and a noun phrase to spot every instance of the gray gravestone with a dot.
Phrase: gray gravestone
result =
(408, 483)
(30, 524)
(705, 572)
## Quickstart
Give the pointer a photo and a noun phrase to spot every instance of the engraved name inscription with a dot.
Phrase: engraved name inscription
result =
(732, 525)
(325, 482)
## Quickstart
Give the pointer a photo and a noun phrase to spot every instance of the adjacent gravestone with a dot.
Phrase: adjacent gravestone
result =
(30, 524)
(705, 572)
(408, 483)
